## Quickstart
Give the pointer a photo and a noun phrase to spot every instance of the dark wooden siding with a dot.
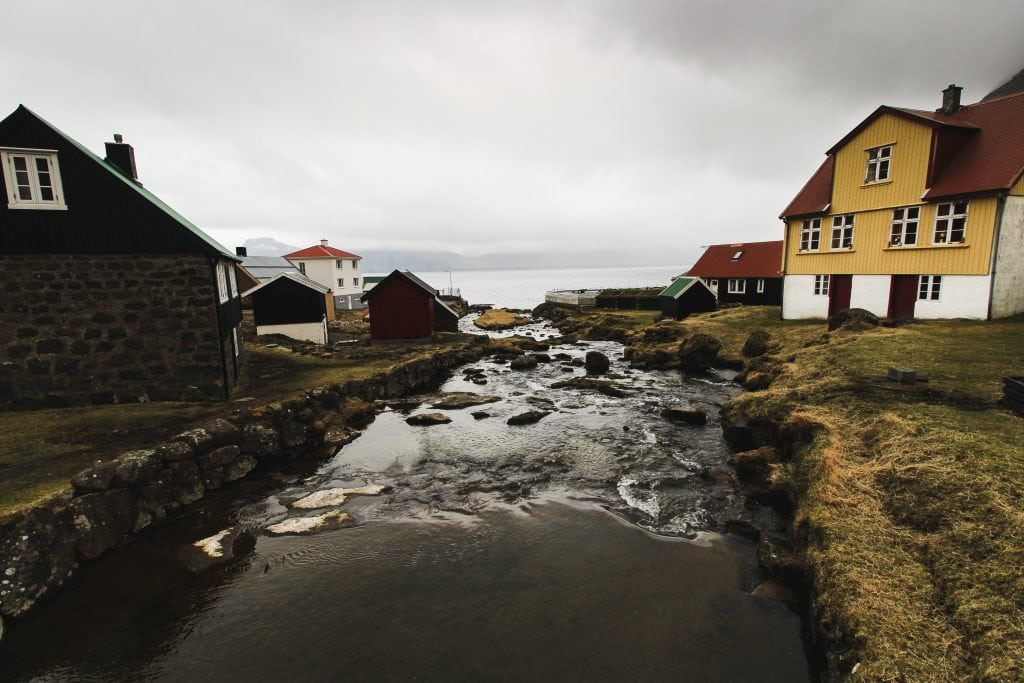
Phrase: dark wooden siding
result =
(400, 310)
(103, 215)
(772, 295)
(285, 301)
(696, 299)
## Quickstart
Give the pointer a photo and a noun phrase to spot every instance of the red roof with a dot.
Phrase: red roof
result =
(991, 159)
(816, 195)
(320, 251)
(756, 259)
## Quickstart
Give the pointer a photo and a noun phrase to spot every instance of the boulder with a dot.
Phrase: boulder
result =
(218, 457)
(95, 478)
(524, 362)
(38, 550)
(260, 441)
(758, 343)
(175, 451)
(756, 465)
(698, 352)
(685, 415)
(134, 467)
(529, 417)
(587, 383)
(239, 468)
(596, 363)
(853, 319)
(456, 401)
(428, 419)
(480, 414)
(101, 519)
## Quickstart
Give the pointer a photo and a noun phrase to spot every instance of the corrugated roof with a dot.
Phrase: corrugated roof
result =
(128, 182)
(816, 195)
(264, 268)
(297, 277)
(678, 286)
(321, 251)
(757, 259)
(402, 274)
(993, 158)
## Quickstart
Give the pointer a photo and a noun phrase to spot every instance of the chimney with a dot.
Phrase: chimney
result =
(121, 156)
(241, 251)
(323, 243)
(950, 99)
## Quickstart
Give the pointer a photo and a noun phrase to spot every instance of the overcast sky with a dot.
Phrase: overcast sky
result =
(480, 126)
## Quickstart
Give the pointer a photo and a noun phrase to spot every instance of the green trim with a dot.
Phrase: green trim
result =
(146, 194)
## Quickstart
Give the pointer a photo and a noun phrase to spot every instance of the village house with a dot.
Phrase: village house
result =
(914, 214)
(742, 273)
(293, 305)
(332, 268)
(109, 294)
(402, 306)
(686, 295)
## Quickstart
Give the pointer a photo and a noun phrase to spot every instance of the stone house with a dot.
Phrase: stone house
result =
(109, 295)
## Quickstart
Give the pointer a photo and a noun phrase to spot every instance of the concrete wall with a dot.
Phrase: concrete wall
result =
(871, 292)
(86, 329)
(800, 301)
(314, 332)
(961, 296)
(1008, 278)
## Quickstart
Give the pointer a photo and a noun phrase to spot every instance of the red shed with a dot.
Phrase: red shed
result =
(401, 307)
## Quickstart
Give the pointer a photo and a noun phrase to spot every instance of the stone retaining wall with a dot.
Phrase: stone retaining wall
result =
(107, 328)
(41, 548)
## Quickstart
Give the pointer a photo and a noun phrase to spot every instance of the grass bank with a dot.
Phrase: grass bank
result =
(40, 450)
(911, 500)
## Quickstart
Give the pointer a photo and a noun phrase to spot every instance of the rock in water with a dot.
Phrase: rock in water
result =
(526, 362)
(455, 401)
(428, 419)
(596, 363)
(529, 417)
(685, 415)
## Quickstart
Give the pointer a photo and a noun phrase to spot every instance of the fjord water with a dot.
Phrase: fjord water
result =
(580, 547)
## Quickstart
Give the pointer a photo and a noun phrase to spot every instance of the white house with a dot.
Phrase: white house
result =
(339, 270)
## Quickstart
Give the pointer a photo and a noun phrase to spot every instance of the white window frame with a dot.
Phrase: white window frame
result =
(341, 282)
(232, 281)
(760, 286)
(713, 283)
(33, 178)
(821, 283)
(355, 264)
(903, 219)
(842, 232)
(302, 267)
(338, 264)
(945, 224)
(355, 282)
(810, 235)
(222, 282)
(734, 286)
(879, 168)
(929, 287)
(234, 338)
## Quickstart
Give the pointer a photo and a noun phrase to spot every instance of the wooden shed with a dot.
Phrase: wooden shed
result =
(293, 305)
(402, 306)
(686, 295)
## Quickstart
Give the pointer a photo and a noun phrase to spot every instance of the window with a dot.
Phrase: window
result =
(338, 263)
(904, 226)
(736, 256)
(32, 178)
(821, 285)
(714, 283)
(810, 235)
(355, 264)
(341, 282)
(232, 281)
(760, 286)
(928, 287)
(878, 164)
(950, 223)
(355, 282)
(222, 282)
(737, 286)
(302, 267)
(842, 232)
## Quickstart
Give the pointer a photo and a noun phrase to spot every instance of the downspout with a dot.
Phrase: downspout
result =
(785, 256)
(1000, 206)
(220, 326)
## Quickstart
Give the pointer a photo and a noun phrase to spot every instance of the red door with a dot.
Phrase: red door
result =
(902, 296)
(839, 287)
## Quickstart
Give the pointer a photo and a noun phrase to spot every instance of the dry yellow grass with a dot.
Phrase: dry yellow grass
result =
(499, 319)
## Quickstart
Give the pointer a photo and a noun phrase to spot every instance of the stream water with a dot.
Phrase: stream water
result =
(584, 546)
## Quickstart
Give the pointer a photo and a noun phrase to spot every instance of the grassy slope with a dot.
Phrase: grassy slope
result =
(40, 450)
(911, 503)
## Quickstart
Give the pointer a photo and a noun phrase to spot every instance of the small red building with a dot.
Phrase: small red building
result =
(402, 306)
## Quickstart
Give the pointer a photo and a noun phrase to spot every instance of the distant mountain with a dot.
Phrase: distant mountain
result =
(267, 246)
(1015, 84)
(386, 260)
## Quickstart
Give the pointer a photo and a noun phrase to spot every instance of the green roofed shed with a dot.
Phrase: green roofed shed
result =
(686, 295)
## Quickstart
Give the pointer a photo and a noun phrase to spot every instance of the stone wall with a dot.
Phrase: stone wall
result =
(89, 329)
(41, 548)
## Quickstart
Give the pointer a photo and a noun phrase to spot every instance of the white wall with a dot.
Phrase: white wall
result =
(961, 296)
(871, 292)
(1008, 278)
(799, 299)
(314, 332)
(326, 272)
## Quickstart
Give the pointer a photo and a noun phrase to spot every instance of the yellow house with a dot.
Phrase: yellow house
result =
(914, 214)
